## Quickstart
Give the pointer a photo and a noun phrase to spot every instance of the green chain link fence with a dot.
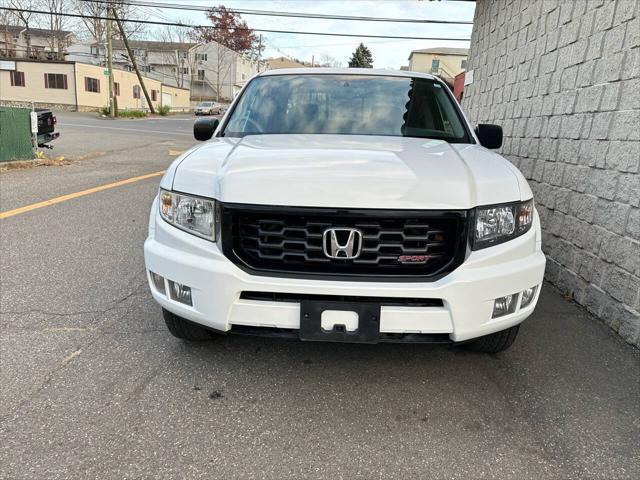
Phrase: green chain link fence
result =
(15, 134)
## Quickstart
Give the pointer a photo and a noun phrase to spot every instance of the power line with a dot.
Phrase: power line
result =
(273, 13)
(263, 30)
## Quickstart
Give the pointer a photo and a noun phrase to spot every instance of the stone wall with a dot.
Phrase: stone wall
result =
(55, 107)
(563, 80)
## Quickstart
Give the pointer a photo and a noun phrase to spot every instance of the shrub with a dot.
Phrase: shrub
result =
(164, 110)
(104, 111)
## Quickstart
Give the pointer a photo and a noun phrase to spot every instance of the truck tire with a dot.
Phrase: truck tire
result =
(495, 342)
(184, 329)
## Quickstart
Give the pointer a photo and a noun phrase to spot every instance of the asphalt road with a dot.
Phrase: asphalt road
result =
(93, 385)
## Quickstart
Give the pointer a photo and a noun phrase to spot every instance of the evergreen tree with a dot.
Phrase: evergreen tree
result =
(361, 58)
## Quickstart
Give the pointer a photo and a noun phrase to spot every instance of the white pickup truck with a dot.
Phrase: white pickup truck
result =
(347, 205)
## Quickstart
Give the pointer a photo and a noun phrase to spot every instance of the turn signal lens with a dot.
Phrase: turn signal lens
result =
(527, 296)
(525, 216)
(504, 305)
(158, 282)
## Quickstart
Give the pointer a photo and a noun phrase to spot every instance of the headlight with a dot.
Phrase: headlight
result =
(498, 223)
(193, 214)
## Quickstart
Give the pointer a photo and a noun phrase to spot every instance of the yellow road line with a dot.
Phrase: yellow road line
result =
(64, 198)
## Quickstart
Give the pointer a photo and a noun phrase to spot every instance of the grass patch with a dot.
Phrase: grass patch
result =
(132, 114)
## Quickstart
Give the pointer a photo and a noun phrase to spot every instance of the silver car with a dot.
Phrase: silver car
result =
(209, 108)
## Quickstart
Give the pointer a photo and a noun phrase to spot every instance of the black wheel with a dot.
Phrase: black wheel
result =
(495, 342)
(181, 328)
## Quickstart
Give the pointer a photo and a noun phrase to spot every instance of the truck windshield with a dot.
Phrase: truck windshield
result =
(346, 105)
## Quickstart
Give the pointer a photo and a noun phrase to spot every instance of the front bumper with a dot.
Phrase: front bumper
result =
(467, 293)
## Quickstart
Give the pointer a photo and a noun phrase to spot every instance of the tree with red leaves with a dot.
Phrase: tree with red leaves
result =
(229, 29)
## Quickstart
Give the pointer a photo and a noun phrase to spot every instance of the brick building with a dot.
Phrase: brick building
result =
(563, 80)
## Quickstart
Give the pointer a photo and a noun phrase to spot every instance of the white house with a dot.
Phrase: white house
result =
(210, 71)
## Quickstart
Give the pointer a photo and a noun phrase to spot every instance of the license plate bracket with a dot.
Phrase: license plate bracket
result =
(368, 329)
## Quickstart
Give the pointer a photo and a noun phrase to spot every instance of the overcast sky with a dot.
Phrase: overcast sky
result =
(386, 53)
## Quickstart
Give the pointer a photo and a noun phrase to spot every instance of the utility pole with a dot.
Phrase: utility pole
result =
(112, 110)
(133, 60)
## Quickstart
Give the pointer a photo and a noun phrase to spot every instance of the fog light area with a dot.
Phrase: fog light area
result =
(504, 305)
(158, 282)
(527, 296)
(180, 293)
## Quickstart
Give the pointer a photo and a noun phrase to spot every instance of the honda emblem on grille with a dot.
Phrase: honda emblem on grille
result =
(342, 242)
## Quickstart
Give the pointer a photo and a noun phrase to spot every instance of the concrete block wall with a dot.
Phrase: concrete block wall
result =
(563, 80)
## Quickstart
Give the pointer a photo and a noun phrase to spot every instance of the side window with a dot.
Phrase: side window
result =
(55, 80)
(17, 78)
(91, 85)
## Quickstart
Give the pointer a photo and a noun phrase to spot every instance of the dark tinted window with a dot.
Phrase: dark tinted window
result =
(348, 105)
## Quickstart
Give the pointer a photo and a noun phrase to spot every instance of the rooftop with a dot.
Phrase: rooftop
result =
(34, 31)
(462, 52)
(154, 45)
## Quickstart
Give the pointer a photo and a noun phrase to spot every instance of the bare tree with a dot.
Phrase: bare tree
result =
(24, 18)
(326, 60)
(7, 20)
(57, 24)
(97, 27)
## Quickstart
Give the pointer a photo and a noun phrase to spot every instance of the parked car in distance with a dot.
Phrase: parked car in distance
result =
(347, 205)
(46, 127)
(209, 108)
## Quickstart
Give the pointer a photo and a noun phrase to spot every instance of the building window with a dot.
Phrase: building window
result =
(243, 76)
(136, 91)
(154, 95)
(185, 54)
(463, 64)
(201, 56)
(185, 70)
(200, 74)
(435, 65)
(91, 85)
(95, 50)
(17, 78)
(55, 80)
(116, 89)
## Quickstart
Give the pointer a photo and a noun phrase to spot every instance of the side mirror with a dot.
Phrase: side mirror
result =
(203, 128)
(490, 136)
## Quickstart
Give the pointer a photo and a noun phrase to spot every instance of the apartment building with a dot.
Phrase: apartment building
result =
(167, 62)
(75, 86)
(35, 43)
(210, 71)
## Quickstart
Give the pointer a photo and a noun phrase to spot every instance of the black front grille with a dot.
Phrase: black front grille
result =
(396, 243)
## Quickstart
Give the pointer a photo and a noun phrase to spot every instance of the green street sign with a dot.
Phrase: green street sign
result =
(105, 73)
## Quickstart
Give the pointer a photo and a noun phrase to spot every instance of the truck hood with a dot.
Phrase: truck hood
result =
(347, 171)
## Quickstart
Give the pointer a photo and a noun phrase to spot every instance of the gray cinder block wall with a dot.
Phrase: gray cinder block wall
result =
(563, 80)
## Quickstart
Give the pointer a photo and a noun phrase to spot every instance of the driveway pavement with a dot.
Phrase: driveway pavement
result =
(93, 385)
